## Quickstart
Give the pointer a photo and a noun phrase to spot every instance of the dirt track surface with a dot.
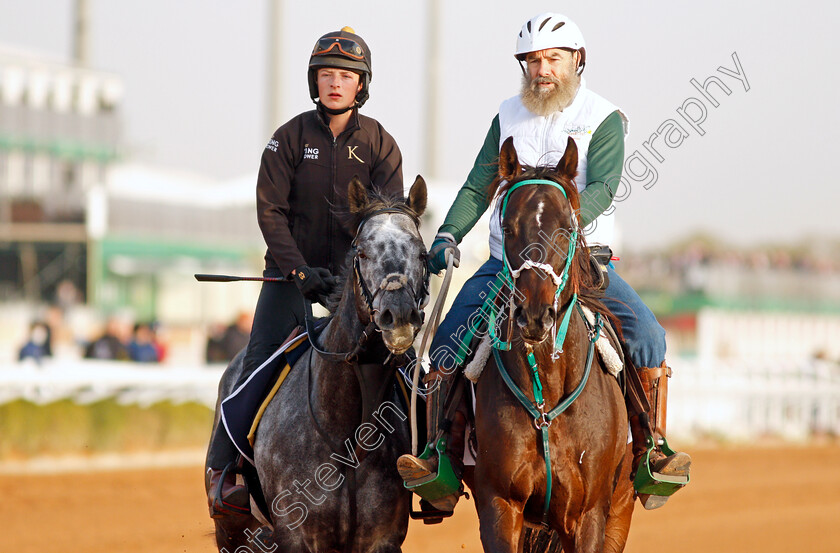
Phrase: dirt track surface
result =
(740, 500)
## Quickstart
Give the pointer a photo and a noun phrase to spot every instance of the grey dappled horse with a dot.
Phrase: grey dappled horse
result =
(327, 445)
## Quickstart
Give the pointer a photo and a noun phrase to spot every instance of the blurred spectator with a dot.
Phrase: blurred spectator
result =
(214, 352)
(37, 345)
(111, 345)
(237, 334)
(159, 343)
(222, 346)
(142, 346)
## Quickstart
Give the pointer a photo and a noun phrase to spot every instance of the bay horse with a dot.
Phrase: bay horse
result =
(587, 496)
(326, 448)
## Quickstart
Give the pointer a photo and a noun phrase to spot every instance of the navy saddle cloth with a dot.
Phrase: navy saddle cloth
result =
(240, 407)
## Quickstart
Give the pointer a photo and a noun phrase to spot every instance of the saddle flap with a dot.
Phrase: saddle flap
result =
(240, 407)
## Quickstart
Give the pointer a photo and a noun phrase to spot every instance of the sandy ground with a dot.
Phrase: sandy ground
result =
(741, 500)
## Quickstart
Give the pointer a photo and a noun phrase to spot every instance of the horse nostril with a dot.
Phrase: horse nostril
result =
(386, 320)
(550, 314)
(416, 319)
(519, 317)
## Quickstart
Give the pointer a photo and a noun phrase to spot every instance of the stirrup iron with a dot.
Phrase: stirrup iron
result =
(440, 484)
(654, 483)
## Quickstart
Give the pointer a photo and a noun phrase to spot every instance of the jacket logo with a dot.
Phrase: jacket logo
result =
(310, 153)
(577, 129)
(351, 154)
(272, 145)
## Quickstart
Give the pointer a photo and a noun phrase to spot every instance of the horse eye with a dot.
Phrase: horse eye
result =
(362, 255)
(507, 231)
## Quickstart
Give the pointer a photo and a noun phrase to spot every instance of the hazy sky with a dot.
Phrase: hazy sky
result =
(195, 92)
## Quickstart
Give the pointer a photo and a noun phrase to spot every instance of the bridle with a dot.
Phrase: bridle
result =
(419, 296)
(352, 357)
(510, 275)
(537, 408)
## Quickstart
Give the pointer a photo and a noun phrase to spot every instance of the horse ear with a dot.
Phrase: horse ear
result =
(567, 166)
(417, 196)
(357, 195)
(508, 160)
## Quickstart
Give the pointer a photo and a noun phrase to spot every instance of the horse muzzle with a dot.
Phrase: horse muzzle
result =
(399, 326)
(534, 322)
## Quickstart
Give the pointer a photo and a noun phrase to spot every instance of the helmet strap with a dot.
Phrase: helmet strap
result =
(332, 111)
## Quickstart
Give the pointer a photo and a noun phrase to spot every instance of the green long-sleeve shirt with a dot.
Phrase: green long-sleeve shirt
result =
(605, 159)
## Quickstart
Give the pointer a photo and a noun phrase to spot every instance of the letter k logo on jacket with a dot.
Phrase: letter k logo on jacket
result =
(351, 154)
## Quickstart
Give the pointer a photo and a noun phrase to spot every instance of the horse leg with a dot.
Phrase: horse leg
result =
(500, 524)
(621, 507)
(590, 537)
(390, 547)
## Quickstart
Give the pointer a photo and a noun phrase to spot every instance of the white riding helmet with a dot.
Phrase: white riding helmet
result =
(550, 30)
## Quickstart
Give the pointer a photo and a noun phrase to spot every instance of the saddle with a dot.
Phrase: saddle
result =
(242, 409)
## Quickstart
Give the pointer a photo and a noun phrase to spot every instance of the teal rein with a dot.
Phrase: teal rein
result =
(507, 276)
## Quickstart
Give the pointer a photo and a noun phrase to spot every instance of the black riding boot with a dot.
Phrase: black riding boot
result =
(224, 496)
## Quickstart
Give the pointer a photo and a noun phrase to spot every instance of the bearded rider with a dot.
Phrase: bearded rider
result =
(302, 183)
(554, 103)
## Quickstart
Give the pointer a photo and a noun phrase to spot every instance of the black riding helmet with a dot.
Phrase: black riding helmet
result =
(346, 50)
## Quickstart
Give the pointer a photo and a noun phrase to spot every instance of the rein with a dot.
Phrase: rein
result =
(543, 418)
(431, 330)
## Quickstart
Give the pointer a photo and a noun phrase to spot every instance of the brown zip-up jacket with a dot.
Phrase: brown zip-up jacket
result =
(302, 185)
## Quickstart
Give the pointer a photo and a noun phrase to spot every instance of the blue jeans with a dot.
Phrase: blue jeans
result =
(468, 302)
(644, 336)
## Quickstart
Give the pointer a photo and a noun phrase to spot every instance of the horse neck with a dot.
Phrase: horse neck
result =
(336, 391)
(344, 329)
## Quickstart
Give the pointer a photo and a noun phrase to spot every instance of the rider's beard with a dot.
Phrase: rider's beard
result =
(544, 102)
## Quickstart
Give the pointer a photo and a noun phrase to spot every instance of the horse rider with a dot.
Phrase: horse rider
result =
(301, 191)
(554, 103)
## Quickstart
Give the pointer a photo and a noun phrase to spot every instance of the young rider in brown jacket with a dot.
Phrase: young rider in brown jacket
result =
(302, 184)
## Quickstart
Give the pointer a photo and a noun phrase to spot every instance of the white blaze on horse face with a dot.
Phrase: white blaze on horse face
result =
(540, 208)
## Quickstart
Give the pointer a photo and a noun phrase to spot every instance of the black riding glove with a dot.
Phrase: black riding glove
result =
(315, 283)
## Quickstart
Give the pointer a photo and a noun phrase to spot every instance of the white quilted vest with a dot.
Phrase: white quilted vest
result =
(541, 141)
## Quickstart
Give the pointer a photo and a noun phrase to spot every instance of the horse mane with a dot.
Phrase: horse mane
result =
(581, 277)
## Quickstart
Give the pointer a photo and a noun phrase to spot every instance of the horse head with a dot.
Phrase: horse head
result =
(542, 233)
(392, 281)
